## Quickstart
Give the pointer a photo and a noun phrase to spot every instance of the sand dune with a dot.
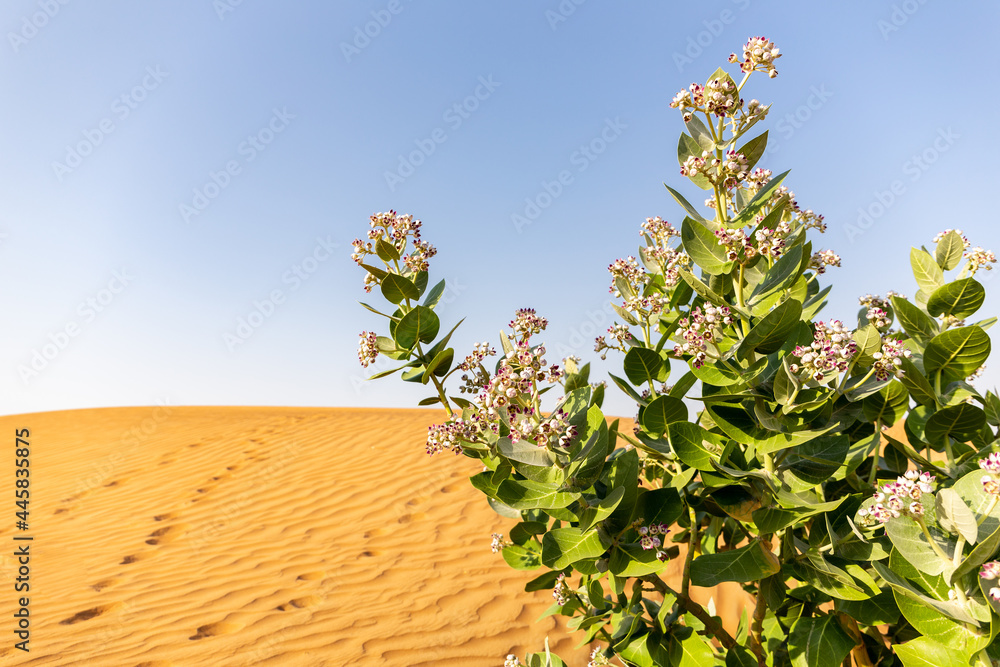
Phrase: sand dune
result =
(263, 536)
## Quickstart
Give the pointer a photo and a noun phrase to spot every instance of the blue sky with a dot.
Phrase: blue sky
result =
(171, 169)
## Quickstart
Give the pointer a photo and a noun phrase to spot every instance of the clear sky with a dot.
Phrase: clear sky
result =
(170, 169)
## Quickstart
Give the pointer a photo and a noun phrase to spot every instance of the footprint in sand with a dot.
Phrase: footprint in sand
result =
(93, 612)
(136, 557)
(216, 629)
(299, 603)
(105, 583)
(165, 517)
(374, 532)
(168, 534)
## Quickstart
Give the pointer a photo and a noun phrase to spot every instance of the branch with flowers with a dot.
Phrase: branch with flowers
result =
(846, 475)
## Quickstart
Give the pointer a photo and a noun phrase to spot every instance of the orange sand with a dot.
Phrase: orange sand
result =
(263, 536)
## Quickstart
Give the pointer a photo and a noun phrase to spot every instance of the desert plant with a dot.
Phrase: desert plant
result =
(855, 541)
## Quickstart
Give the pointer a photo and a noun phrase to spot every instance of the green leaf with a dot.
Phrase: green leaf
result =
(644, 365)
(926, 271)
(750, 563)
(957, 353)
(779, 277)
(703, 247)
(950, 250)
(693, 445)
(888, 405)
(915, 322)
(958, 299)
(873, 611)
(587, 463)
(770, 333)
(915, 383)
(759, 201)
(869, 342)
(386, 251)
(909, 591)
(434, 295)
(703, 290)
(925, 652)
(439, 364)
(912, 544)
(817, 460)
(564, 546)
(685, 204)
(738, 656)
(420, 324)
(742, 427)
(960, 422)
(700, 132)
(819, 641)
(686, 146)
(753, 150)
(525, 452)
(520, 558)
(525, 494)
(955, 516)
(396, 288)
(662, 411)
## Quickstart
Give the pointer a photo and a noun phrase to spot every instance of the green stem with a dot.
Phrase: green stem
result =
(934, 545)
(689, 556)
(959, 546)
(989, 509)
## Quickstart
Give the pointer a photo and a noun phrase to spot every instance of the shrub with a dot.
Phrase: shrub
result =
(856, 541)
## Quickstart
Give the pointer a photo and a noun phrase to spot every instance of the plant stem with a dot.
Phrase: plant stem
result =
(757, 628)
(934, 545)
(989, 508)
(689, 556)
(714, 628)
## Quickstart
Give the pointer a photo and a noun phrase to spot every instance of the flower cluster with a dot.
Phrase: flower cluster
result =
(829, 354)
(560, 590)
(989, 572)
(727, 172)
(701, 329)
(759, 53)
(771, 242)
(822, 259)
(900, 498)
(887, 361)
(512, 661)
(692, 98)
(451, 434)
(980, 259)
(721, 97)
(649, 538)
(659, 229)
(658, 233)
(878, 317)
(367, 348)
(498, 543)
(618, 333)
(598, 659)
(991, 480)
(479, 352)
(976, 374)
(393, 230)
(526, 323)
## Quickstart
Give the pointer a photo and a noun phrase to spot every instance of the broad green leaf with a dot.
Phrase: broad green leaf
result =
(631, 560)
(420, 324)
(908, 590)
(779, 277)
(526, 452)
(742, 427)
(695, 652)
(396, 288)
(693, 445)
(771, 332)
(563, 546)
(873, 611)
(587, 463)
(887, 405)
(912, 544)
(926, 271)
(955, 516)
(703, 247)
(527, 495)
(960, 422)
(753, 149)
(700, 132)
(992, 408)
(750, 563)
(819, 641)
(663, 410)
(833, 581)
(520, 558)
(439, 364)
(386, 251)
(644, 365)
(701, 288)
(602, 510)
(949, 250)
(434, 295)
(542, 582)
(958, 299)
(925, 652)
(957, 353)
(686, 146)
(914, 321)
(685, 204)
(817, 460)
(916, 384)
(869, 342)
(739, 656)
(636, 650)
